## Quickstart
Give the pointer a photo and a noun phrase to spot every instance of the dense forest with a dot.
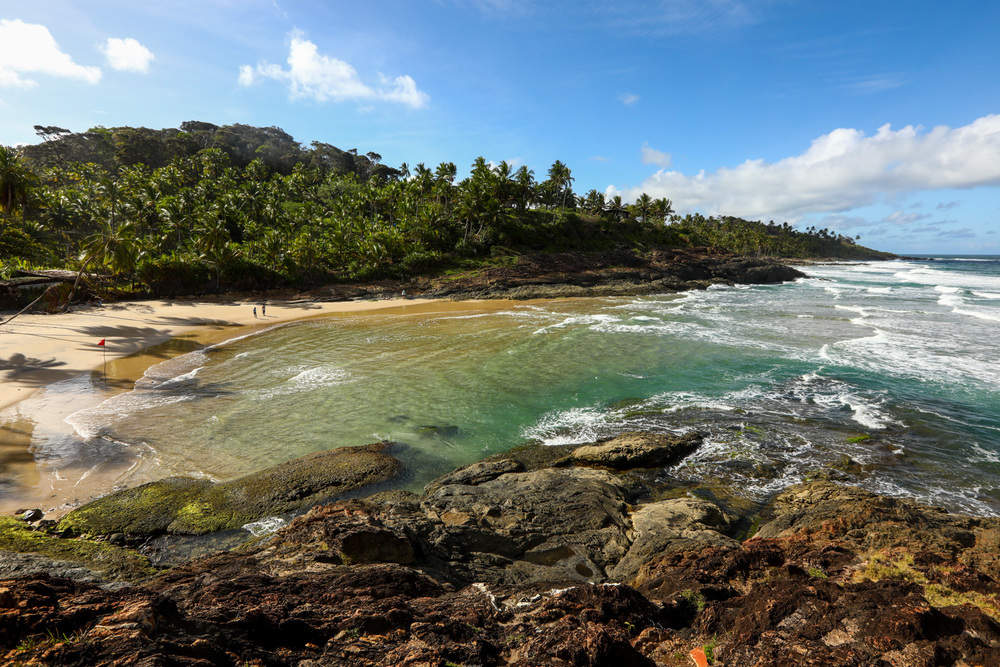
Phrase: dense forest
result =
(208, 207)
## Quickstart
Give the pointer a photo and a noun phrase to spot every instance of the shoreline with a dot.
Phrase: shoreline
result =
(35, 349)
(38, 350)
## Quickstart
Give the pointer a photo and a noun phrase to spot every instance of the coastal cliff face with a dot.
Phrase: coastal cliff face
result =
(549, 555)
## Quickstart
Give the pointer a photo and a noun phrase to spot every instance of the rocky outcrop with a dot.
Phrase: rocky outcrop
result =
(545, 525)
(197, 506)
(612, 273)
(636, 450)
(530, 559)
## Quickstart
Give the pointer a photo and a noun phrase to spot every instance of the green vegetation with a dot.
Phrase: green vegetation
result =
(859, 438)
(108, 559)
(694, 598)
(205, 207)
(709, 649)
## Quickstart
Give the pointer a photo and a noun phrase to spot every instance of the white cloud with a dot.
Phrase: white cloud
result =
(245, 77)
(840, 171)
(404, 91)
(127, 54)
(628, 99)
(29, 48)
(653, 156)
(313, 75)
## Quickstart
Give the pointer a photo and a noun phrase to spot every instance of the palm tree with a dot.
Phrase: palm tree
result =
(663, 208)
(115, 247)
(643, 205)
(563, 179)
(616, 208)
(15, 180)
(594, 202)
(525, 179)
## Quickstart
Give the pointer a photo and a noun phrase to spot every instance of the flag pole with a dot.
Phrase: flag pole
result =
(103, 345)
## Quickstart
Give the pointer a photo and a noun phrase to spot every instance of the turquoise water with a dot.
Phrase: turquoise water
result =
(781, 378)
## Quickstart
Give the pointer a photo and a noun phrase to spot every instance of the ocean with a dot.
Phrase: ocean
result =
(880, 374)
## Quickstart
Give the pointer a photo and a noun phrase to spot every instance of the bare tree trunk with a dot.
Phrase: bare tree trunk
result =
(29, 306)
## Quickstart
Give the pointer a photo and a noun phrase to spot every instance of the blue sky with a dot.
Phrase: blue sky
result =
(879, 119)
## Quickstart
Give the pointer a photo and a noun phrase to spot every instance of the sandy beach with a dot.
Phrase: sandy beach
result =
(39, 349)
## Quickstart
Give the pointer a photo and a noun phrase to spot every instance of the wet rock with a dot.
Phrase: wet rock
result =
(31, 515)
(477, 473)
(440, 430)
(637, 450)
(25, 550)
(193, 506)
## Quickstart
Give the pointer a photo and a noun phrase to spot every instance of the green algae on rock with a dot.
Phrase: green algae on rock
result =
(182, 505)
(104, 560)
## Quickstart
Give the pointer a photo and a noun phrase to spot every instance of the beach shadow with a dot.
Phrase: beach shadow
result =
(135, 307)
(19, 363)
(121, 331)
(196, 322)
(35, 372)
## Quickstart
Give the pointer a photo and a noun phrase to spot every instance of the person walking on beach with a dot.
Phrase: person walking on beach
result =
(255, 312)
(263, 310)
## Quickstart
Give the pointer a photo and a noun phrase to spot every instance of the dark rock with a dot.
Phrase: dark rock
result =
(477, 473)
(31, 515)
(552, 524)
(510, 567)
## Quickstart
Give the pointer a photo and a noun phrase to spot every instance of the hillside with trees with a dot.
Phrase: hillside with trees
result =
(205, 207)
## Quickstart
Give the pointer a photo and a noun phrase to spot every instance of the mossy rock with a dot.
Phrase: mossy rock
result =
(181, 505)
(111, 561)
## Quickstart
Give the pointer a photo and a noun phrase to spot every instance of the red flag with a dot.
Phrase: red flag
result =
(101, 344)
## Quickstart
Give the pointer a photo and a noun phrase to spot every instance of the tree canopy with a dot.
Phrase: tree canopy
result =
(209, 207)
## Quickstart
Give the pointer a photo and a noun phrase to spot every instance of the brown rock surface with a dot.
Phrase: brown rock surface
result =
(484, 572)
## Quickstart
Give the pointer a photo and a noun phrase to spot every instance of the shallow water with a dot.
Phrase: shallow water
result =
(782, 378)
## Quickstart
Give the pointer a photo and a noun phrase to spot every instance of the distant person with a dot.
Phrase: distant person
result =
(263, 310)
(255, 312)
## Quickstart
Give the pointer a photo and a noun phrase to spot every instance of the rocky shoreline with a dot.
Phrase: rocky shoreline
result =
(572, 555)
(582, 274)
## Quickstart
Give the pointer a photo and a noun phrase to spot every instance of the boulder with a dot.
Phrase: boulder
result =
(548, 524)
(636, 450)
(195, 506)
(477, 473)
(680, 524)
(24, 550)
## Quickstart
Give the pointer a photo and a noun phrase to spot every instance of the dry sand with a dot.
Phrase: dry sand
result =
(39, 349)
